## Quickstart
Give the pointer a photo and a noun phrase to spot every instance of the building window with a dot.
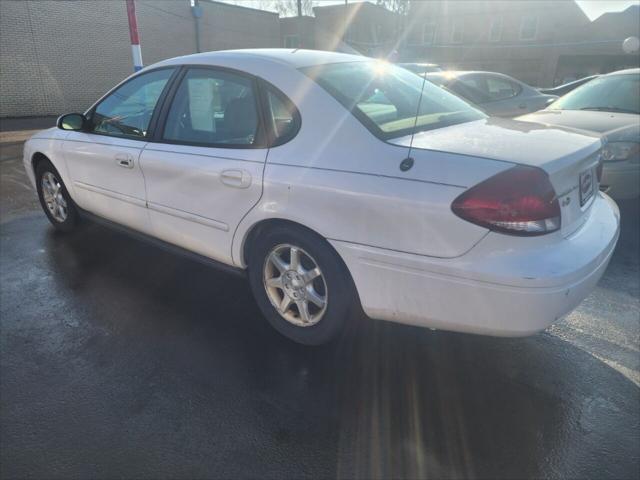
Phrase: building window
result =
(495, 32)
(456, 32)
(429, 33)
(529, 28)
(291, 41)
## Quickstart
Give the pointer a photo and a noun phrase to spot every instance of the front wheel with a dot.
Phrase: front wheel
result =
(54, 198)
(301, 285)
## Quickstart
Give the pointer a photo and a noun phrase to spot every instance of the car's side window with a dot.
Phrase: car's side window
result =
(283, 115)
(501, 88)
(127, 111)
(470, 89)
(212, 107)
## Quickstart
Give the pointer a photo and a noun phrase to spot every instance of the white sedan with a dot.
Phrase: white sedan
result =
(339, 183)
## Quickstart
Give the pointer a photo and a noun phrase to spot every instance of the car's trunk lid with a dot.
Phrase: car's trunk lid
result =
(570, 157)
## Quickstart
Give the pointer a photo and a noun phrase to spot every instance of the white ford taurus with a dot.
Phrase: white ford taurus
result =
(339, 183)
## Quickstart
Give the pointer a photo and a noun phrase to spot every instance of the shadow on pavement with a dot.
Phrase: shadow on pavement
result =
(119, 359)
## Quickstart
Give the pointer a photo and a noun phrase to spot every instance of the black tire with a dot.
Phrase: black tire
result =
(341, 295)
(46, 167)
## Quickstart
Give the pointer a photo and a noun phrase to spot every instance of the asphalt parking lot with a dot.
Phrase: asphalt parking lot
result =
(118, 359)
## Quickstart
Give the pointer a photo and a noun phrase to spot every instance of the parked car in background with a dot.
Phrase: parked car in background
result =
(497, 94)
(338, 183)
(609, 105)
(421, 68)
(566, 87)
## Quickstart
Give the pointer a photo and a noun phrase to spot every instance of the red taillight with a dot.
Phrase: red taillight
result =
(519, 201)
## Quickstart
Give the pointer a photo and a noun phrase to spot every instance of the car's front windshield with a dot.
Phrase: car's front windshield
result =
(615, 93)
(386, 98)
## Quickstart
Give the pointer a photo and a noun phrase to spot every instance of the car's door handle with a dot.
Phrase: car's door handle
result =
(124, 160)
(522, 105)
(236, 178)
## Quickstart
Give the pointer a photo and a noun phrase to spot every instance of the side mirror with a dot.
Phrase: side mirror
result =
(72, 121)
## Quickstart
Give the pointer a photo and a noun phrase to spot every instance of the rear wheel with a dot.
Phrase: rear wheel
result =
(300, 284)
(54, 198)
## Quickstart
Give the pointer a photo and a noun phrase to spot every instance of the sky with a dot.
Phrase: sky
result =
(592, 8)
(595, 8)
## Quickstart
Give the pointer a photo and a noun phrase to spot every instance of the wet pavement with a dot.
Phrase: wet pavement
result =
(118, 359)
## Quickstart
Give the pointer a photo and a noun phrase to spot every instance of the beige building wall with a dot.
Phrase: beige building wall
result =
(366, 27)
(61, 56)
(224, 26)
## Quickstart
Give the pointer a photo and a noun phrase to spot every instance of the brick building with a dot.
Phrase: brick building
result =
(366, 27)
(298, 32)
(60, 56)
(538, 42)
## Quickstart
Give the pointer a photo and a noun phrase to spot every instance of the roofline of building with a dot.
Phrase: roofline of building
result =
(515, 9)
(233, 5)
(339, 6)
(292, 17)
(614, 14)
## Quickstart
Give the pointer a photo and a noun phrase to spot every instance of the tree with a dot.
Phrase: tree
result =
(285, 8)
(289, 8)
(401, 7)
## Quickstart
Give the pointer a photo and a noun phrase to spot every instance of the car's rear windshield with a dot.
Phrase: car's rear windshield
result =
(385, 98)
(609, 93)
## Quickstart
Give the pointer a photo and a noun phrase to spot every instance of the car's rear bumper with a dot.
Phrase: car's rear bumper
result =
(494, 289)
(621, 180)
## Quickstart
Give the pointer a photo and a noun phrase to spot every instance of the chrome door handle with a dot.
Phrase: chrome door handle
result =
(236, 178)
(124, 160)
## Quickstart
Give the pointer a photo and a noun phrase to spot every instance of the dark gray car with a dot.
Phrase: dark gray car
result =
(497, 94)
(567, 87)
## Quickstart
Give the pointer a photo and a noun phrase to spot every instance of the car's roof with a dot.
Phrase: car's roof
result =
(420, 64)
(460, 73)
(295, 58)
(628, 71)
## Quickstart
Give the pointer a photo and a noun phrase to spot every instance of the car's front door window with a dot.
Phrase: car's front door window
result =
(127, 111)
(213, 108)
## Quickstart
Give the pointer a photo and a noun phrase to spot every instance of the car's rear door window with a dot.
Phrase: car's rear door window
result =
(213, 107)
(283, 115)
(500, 88)
(483, 88)
(127, 111)
(470, 90)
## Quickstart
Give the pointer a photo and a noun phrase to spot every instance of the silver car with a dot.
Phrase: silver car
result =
(421, 68)
(608, 105)
(497, 94)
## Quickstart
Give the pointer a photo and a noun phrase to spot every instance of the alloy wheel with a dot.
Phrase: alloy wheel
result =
(295, 285)
(53, 198)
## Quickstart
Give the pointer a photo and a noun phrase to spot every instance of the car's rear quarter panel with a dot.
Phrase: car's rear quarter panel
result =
(341, 181)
